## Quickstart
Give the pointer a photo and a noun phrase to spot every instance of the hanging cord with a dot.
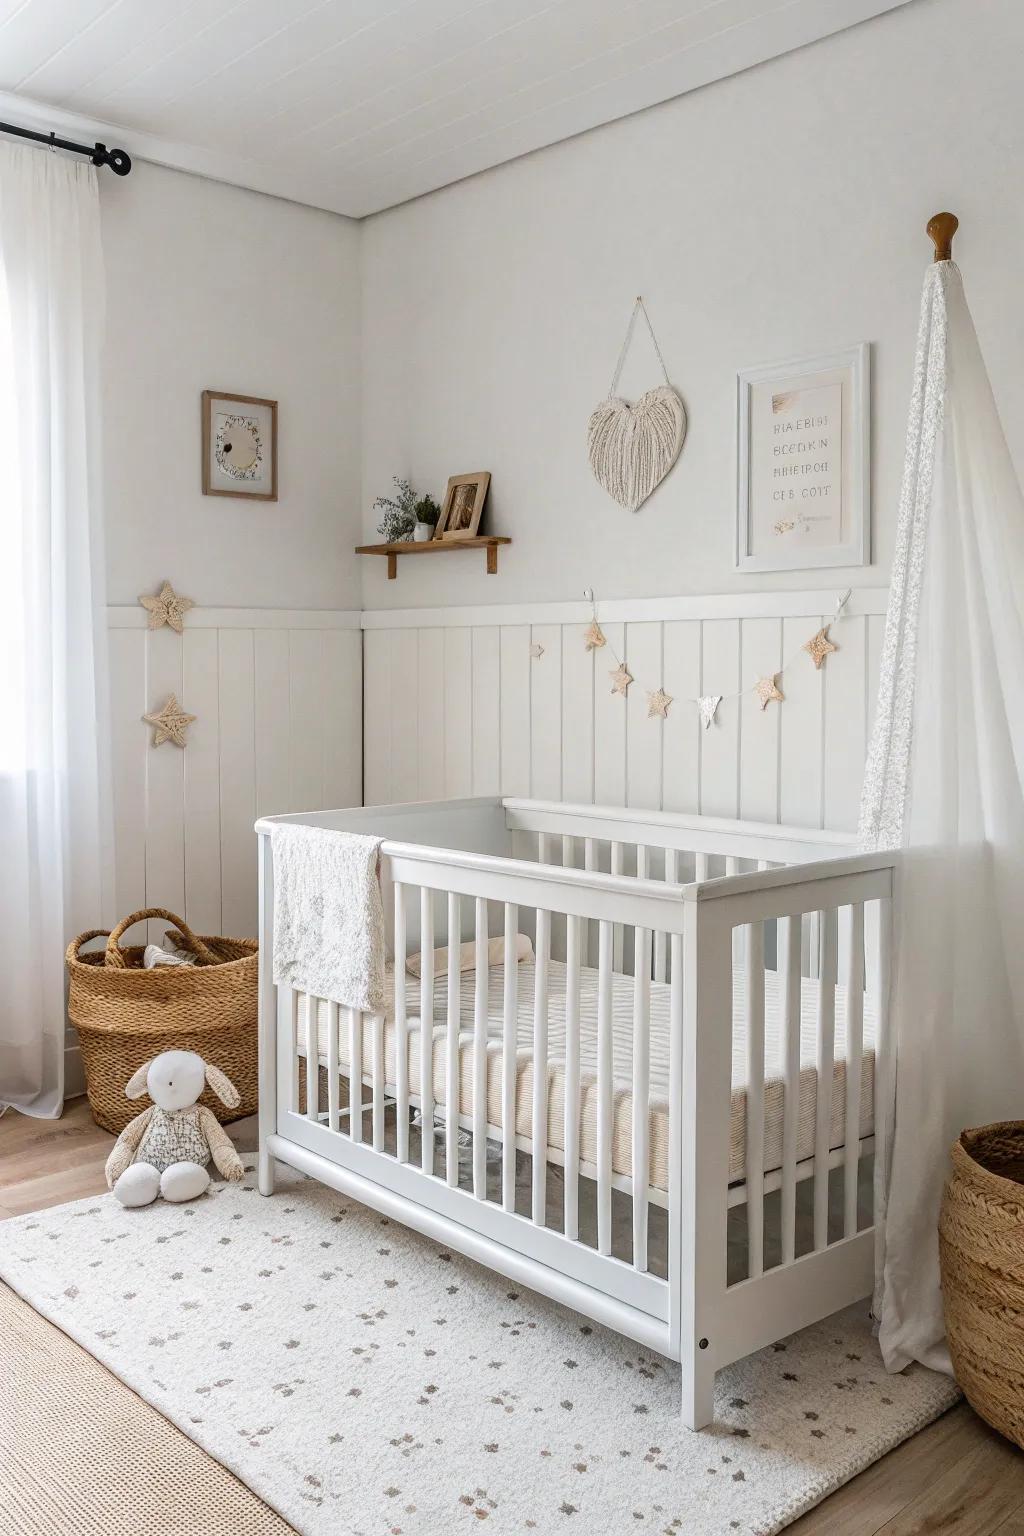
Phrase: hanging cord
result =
(638, 307)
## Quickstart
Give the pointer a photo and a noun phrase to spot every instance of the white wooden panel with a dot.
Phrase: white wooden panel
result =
(578, 675)
(486, 748)
(129, 755)
(378, 717)
(237, 782)
(801, 756)
(430, 723)
(760, 653)
(343, 737)
(515, 709)
(458, 712)
(644, 733)
(165, 783)
(546, 713)
(844, 725)
(405, 778)
(201, 761)
(609, 723)
(680, 773)
(306, 703)
(271, 703)
(719, 746)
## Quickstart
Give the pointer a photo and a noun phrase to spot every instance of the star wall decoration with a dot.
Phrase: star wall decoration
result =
(820, 647)
(594, 639)
(166, 607)
(621, 679)
(536, 650)
(658, 703)
(708, 706)
(767, 689)
(170, 723)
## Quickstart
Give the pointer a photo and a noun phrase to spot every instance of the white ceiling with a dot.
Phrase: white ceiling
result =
(355, 105)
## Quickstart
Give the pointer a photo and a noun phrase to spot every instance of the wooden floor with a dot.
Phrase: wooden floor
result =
(956, 1475)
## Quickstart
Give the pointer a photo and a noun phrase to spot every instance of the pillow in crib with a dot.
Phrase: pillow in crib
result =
(467, 956)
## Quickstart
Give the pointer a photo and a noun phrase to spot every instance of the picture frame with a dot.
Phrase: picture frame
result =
(803, 463)
(239, 435)
(463, 506)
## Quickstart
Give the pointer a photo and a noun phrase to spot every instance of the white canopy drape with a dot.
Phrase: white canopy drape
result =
(944, 783)
(54, 814)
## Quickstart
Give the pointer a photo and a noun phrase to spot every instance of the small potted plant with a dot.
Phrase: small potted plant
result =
(399, 520)
(427, 513)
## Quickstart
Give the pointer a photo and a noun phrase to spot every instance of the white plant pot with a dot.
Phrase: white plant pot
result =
(422, 533)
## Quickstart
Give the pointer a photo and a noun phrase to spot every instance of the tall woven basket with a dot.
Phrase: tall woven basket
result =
(981, 1250)
(125, 1015)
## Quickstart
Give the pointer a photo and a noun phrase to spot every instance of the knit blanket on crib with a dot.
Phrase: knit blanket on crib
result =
(328, 915)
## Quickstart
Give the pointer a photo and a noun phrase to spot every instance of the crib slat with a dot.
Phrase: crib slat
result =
(377, 1068)
(574, 933)
(291, 1096)
(426, 1030)
(480, 1054)
(885, 1086)
(700, 868)
(617, 944)
(826, 1073)
(755, 1099)
(790, 963)
(568, 852)
(604, 1089)
(401, 1033)
(333, 1080)
(854, 1062)
(661, 943)
(643, 861)
(510, 1003)
(675, 1122)
(540, 1069)
(543, 853)
(312, 1060)
(641, 1092)
(355, 1074)
(590, 861)
(451, 1076)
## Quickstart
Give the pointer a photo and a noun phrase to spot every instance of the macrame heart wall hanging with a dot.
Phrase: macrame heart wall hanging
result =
(633, 446)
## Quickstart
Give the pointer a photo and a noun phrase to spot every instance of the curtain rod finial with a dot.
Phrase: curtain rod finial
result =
(941, 228)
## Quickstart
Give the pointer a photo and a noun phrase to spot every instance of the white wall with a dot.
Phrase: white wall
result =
(213, 287)
(779, 212)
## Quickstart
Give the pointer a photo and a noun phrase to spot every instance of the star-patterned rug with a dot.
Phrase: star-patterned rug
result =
(363, 1380)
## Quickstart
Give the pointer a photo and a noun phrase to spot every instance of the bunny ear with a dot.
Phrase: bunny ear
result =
(136, 1084)
(222, 1086)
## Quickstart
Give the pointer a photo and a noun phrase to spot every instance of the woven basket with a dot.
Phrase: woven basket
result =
(981, 1249)
(126, 1015)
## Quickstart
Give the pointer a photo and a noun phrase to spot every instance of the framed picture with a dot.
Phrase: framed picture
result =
(463, 504)
(803, 463)
(239, 446)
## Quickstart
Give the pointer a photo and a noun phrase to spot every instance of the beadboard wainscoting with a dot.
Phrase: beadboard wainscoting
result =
(457, 703)
(277, 698)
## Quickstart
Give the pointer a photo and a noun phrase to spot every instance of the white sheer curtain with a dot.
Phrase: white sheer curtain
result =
(944, 783)
(54, 815)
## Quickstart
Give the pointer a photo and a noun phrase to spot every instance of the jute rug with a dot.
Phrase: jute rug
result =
(363, 1380)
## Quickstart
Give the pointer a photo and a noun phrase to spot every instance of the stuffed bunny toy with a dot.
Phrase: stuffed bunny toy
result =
(165, 1150)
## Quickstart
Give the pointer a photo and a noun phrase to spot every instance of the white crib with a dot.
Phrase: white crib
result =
(714, 973)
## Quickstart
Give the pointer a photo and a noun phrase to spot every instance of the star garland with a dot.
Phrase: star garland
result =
(766, 689)
(167, 607)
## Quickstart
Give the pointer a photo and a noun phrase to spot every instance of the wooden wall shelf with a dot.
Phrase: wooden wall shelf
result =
(488, 542)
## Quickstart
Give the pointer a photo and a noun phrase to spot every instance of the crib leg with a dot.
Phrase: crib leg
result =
(698, 1386)
(265, 1173)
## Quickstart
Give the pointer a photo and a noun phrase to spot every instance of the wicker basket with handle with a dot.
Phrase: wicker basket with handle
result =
(981, 1249)
(125, 1014)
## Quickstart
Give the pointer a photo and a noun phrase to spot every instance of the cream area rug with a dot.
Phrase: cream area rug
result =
(363, 1380)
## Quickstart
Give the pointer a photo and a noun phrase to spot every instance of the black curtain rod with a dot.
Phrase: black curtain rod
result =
(118, 159)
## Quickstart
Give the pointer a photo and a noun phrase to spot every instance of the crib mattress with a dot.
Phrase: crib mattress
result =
(622, 1055)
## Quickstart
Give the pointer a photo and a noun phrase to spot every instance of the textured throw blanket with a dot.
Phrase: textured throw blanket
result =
(328, 915)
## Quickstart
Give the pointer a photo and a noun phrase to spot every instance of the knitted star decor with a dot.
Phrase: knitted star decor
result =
(708, 706)
(170, 723)
(167, 608)
(767, 689)
(536, 650)
(658, 703)
(594, 639)
(621, 679)
(820, 647)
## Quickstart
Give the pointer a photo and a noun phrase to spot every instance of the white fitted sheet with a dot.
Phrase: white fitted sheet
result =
(622, 1053)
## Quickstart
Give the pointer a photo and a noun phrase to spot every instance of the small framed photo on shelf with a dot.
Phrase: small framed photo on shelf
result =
(803, 463)
(239, 446)
(463, 506)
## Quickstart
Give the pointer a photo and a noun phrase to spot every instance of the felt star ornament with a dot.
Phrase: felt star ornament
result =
(658, 703)
(536, 650)
(166, 607)
(170, 723)
(767, 689)
(708, 706)
(594, 639)
(621, 679)
(820, 647)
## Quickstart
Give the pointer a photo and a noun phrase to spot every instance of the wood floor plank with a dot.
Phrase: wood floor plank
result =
(974, 1497)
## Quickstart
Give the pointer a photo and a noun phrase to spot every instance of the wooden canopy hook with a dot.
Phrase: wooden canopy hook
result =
(941, 228)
